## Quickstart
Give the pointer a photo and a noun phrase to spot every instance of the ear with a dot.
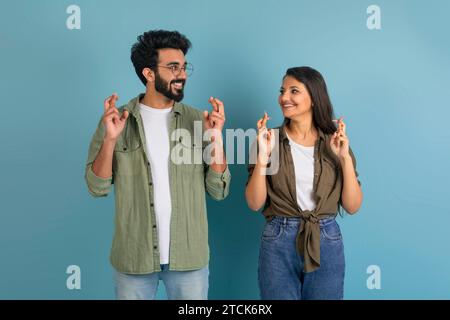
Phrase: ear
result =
(149, 74)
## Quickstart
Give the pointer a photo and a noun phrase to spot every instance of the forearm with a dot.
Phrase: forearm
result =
(102, 165)
(219, 162)
(256, 190)
(351, 190)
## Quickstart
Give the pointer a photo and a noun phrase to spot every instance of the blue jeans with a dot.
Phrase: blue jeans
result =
(180, 285)
(280, 270)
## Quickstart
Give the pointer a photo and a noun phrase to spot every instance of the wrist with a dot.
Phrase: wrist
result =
(109, 140)
(345, 159)
(262, 161)
(214, 135)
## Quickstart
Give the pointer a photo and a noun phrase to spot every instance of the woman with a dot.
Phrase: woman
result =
(302, 253)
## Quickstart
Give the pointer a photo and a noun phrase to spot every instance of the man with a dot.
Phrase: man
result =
(161, 230)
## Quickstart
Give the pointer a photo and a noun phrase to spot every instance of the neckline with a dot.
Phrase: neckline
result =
(154, 110)
(298, 144)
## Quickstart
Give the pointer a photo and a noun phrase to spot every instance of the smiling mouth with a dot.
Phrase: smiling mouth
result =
(288, 106)
(177, 85)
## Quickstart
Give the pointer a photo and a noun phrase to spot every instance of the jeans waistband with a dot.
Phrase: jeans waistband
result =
(296, 220)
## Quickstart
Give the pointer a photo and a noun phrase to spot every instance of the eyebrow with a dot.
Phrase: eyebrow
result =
(291, 87)
(175, 63)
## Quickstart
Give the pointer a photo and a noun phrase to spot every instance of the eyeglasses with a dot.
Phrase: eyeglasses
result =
(176, 69)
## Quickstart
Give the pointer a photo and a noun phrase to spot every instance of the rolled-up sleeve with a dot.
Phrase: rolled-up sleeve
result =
(218, 184)
(97, 186)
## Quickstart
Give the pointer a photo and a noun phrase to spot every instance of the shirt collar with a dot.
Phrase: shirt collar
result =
(133, 106)
(285, 139)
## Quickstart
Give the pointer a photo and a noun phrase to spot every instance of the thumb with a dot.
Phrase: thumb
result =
(124, 116)
(205, 115)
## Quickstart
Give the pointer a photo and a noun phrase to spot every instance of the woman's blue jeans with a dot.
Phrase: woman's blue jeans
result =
(280, 270)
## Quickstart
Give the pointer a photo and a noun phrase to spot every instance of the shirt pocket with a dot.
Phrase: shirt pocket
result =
(188, 156)
(128, 156)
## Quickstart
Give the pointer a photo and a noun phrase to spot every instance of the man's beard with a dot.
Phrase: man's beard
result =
(165, 88)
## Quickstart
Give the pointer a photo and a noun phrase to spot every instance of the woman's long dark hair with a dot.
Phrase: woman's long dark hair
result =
(322, 109)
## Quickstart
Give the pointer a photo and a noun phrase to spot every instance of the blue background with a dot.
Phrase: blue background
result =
(391, 85)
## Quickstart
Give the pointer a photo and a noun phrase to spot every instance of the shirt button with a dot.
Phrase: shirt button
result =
(155, 247)
(150, 183)
(124, 149)
(154, 226)
(151, 205)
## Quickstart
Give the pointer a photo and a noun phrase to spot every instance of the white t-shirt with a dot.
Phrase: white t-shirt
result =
(303, 158)
(156, 126)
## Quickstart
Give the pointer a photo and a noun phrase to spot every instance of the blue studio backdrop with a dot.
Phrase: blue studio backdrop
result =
(387, 67)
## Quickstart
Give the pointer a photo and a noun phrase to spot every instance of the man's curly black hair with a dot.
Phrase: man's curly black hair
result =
(144, 53)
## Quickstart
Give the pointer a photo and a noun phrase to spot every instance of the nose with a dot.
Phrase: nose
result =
(284, 97)
(182, 74)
